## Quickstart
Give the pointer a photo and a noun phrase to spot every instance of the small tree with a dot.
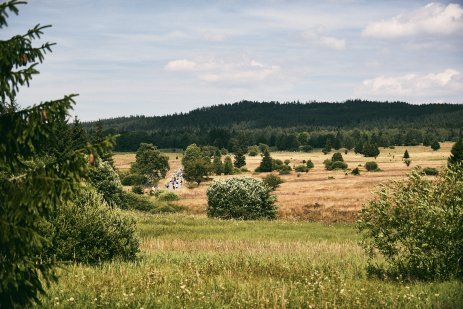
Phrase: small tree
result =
(456, 153)
(266, 163)
(406, 155)
(197, 170)
(370, 150)
(217, 164)
(273, 181)
(309, 164)
(151, 163)
(240, 159)
(435, 145)
(371, 166)
(337, 157)
(355, 171)
(228, 166)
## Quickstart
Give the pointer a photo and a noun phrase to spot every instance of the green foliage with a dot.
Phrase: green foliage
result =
(168, 196)
(370, 150)
(240, 159)
(137, 189)
(355, 171)
(334, 165)
(371, 166)
(435, 145)
(430, 171)
(107, 182)
(32, 184)
(240, 198)
(228, 166)
(137, 202)
(272, 181)
(285, 170)
(309, 164)
(337, 157)
(407, 162)
(456, 153)
(130, 179)
(89, 231)
(306, 148)
(253, 150)
(416, 226)
(197, 170)
(266, 163)
(301, 168)
(217, 164)
(151, 163)
(406, 154)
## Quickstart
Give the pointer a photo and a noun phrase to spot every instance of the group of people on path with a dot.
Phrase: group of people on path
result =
(176, 180)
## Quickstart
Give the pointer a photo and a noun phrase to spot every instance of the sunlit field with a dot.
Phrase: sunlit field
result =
(190, 261)
(318, 195)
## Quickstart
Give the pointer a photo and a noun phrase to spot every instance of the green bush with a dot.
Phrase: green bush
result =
(334, 165)
(371, 166)
(272, 181)
(430, 171)
(337, 157)
(132, 179)
(309, 164)
(416, 226)
(168, 196)
(137, 189)
(240, 198)
(285, 170)
(136, 202)
(106, 181)
(301, 168)
(89, 231)
(355, 171)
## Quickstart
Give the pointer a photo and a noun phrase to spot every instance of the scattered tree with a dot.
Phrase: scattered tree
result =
(435, 145)
(371, 166)
(240, 159)
(228, 166)
(217, 163)
(273, 181)
(456, 153)
(406, 155)
(151, 163)
(266, 163)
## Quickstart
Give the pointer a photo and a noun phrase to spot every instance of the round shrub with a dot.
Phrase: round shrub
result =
(430, 171)
(371, 166)
(309, 164)
(133, 179)
(272, 181)
(285, 170)
(138, 189)
(415, 226)
(240, 198)
(301, 168)
(89, 231)
(168, 196)
(136, 202)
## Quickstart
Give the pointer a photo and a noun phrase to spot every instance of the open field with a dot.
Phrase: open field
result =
(319, 195)
(189, 261)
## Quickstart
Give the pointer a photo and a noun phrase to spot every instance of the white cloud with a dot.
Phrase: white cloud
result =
(218, 70)
(448, 82)
(180, 65)
(432, 19)
(327, 41)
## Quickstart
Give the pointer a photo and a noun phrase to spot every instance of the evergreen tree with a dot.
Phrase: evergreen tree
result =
(228, 166)
(406, 155)
(370, 150)
(240, 159)
(456, 153)
(31, 186)
(266, 163)
(328, 147)
(217, 163)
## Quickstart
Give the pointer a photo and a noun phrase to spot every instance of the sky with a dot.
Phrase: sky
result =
(147, 57)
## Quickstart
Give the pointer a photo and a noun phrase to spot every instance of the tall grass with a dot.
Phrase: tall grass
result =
(196, 262)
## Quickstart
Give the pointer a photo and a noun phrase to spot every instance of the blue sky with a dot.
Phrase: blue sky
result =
(160, 57)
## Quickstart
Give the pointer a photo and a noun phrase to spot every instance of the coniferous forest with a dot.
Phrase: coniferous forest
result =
(291, 126)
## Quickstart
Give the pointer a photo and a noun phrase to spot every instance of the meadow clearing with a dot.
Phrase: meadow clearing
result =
(318, 195)
(190, 261)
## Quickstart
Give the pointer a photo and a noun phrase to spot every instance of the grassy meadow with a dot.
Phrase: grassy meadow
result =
(190, 261)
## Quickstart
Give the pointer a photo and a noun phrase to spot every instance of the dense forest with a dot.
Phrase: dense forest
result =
(291, 126)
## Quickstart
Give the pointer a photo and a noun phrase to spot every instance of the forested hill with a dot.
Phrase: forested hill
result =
(248, 115)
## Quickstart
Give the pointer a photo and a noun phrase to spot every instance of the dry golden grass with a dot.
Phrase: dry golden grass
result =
(320, 194)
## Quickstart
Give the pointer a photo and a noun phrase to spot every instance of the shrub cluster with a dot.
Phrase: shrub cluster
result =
(371, 166)
(272, 181)
(416, 225)
(131, 179)
(430, 171)
(87, 230)
(240, 198)
(336, 162)
(168, 196)
(301, 168)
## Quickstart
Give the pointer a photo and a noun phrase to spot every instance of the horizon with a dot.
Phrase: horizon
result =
(159, 59)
